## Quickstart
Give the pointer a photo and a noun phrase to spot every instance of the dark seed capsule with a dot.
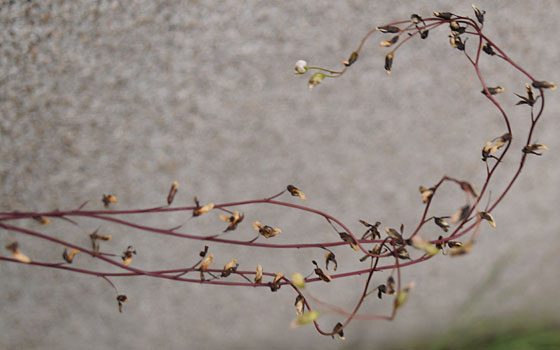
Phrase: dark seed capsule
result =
(389, 29)
(389, 62)
(424, 34)
(353, 58)
(488, 49)
(443, 15)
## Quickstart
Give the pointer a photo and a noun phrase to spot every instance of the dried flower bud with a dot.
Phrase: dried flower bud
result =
(390, 288)
(69, 257)
(298, 280)
(493, 90)
(454, 244)
(206, 262)
(479, 14)
(545, 85)
(460, 214)
(199, 210)
(299, 304)
(442, 223)
(259, 274)
(443, 15)
(456, 28)
(338, 330)
(307, 317)
(353, 58)
(330, 257)
(403, 254)
(441, 244)
(424, 34)
(121, 298)
(94, 236)
(230, 267)
(203, 252)
(301, 67)
(108, 199)
(42, 220)
(415, 19)
(469, 188)
(349, 239)
(372, 229)
(315, 80)
(275, 285)
(388, 29)
(322, 275)
(419, 243)
(460, 250)
(488, 217)
(294, 191)
(529, 99)
(381, 289)
(233, 220)
(172, 192)
(266, 231)
(127, 255)
(389, 43)
(456, 41)
(389, 62)
(488, 49)
(394, 234)
(403, 295)
(533, 148)
(427, 193)
(16, 254)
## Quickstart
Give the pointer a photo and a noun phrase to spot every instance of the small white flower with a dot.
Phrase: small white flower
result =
(301, 67)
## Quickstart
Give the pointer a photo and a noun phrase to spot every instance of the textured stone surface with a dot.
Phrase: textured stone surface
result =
(125, 97)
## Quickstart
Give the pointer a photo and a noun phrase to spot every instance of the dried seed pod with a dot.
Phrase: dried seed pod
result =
(529, 99)
(230, 267)
(441, 244)
(389, 62)
(388, 29)
(424, 34)
(442, 223)
(315, 80)
(461, 214)
(494, 90)
(301, 67)
(322, 275)
(348, 239)
(172, 192)
(299, 304)
(544, 85)
(330, 257)
(456, 42)
(488, 217)
(338, 330)
(456, 28)
(233, 220)
(95, 237)
(454, 244)
(479, 14)
(199, 210)
(294, 191)
(203, 252)
(443, 15)
(389, 43)
(533, 148)
(259, 274)
(69, 257)
(42, 220)
(488, 49)
(127, 255)
(108, 199)
(16, 254)
(372, 229)
(121, 298)
(265, 230)
(353, 58)
(427, 193)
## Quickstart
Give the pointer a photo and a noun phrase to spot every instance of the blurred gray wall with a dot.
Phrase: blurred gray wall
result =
(125, 97)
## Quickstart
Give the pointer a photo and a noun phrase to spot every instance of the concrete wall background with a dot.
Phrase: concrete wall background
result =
(125, 97)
